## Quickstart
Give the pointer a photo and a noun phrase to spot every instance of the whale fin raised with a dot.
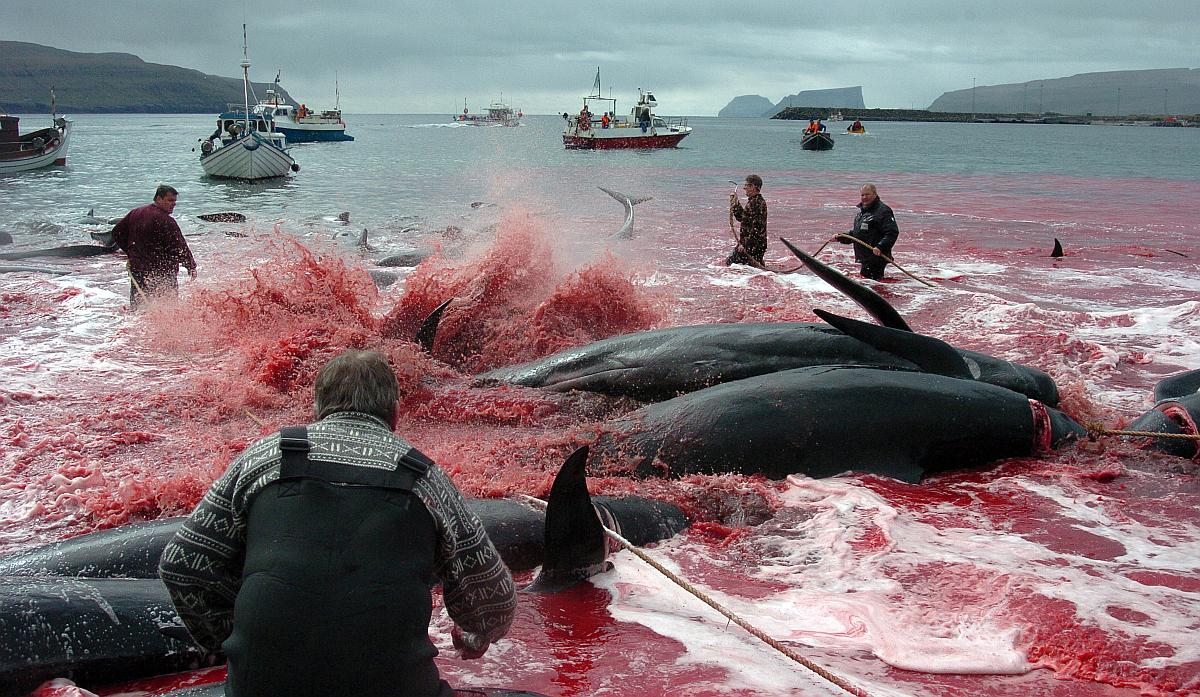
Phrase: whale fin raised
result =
(628, 202)
(929, 354)
(575, 547)
(428, 331)
(866, 298)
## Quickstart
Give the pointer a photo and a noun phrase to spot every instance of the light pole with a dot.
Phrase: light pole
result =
(972, 97)
(1025, 100)
(1041, 93)
(1118, 102)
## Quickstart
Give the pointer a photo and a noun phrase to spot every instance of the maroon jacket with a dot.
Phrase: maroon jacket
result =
(153, 241)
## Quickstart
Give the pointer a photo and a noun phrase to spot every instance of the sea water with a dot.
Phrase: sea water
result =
(1070, 574)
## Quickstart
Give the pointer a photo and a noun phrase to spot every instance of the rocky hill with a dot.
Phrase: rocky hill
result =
(1118, 93)
(753, 105)
(108, 83)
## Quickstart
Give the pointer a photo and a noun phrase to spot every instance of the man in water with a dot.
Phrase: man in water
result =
(875, 225)
(311, 560)
(752, 241)
(152, 240)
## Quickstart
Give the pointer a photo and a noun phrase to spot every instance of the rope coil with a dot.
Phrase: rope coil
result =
(728, 614)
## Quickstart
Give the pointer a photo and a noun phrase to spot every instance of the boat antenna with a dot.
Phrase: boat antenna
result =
(596, 84)
(245, 80)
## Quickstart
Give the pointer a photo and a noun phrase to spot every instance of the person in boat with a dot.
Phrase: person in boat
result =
(311, 560)
(752, 239)
(811, 127)
(875, 225)
(820, 126)
(856, 127)
(155, 246)
(604, 120)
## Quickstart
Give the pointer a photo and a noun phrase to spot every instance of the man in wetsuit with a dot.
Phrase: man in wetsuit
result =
(152, 240)
(875, 225)
(311, 560)
(752, 240)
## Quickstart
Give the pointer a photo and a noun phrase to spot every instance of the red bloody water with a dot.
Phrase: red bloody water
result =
(1073, 575)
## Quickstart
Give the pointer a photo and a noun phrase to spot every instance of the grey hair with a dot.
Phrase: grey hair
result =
(359, 381)
(871, 188)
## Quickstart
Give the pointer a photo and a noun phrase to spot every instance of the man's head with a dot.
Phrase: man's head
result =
(753, 184)
(165, 197)
(867, 195)
(359, 381)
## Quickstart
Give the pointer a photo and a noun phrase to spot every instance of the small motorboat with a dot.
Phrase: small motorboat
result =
(641, 129)
(821, 140)
(856, 129)
(45, 147)
(246, 145)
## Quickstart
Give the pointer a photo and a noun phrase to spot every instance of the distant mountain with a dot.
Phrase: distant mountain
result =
(837, 98)
(747, 105)
(1118, 93)
(108, 83)
(753, 105)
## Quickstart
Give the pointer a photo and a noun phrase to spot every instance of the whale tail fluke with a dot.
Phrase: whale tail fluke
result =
(1058, 250)
(633, 200)
(575, 546)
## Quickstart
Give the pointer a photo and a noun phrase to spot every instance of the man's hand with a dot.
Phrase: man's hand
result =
(877, 251)
(192, 273)
(470, 646)
(733, 199)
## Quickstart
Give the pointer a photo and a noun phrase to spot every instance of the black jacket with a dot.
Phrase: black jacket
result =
(875, 225)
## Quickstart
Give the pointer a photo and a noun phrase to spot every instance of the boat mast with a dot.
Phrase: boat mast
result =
(337, 93)
(245, 81)
(596, 84)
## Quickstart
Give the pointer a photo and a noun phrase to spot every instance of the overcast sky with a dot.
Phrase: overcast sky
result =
(696, 55)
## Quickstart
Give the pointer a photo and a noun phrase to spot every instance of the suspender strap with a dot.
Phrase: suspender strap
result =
(296, 464)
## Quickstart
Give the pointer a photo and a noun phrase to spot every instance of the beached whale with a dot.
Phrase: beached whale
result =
(825, 420)
(664, 363)
(69, 251)
(93, 609)
(1176, 410)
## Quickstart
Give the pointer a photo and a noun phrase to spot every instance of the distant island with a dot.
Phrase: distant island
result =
(756, 106)
(98, 83)
(1134, 94)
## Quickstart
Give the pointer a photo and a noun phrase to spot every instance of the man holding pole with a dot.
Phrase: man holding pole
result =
(152, 240)
(752, 241)
(874, 233)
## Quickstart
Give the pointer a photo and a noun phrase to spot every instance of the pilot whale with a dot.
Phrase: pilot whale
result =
(1177, 411)
(825, 420)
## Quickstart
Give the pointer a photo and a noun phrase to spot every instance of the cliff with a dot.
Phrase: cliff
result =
(1118, 93)
(108, 83)
(747, 105)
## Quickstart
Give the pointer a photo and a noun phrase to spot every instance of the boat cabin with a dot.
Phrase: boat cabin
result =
(230, 125)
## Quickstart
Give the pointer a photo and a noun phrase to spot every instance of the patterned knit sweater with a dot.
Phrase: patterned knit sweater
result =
(202, 565)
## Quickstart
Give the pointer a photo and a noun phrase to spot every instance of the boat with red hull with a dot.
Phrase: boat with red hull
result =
(642, 129)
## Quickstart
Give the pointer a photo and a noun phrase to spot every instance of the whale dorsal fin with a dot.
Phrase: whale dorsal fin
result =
(428, 331)
(1058, 250)
(929, 354)
(575, 548)
(866, 298)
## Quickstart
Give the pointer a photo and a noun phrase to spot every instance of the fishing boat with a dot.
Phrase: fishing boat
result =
(835, 116)
(37, 149)
(299, 124)
(641, 129)
(246, 144)
(497, 114)
(821, 140)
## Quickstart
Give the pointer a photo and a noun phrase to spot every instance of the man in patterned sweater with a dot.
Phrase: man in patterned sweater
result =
(752, 240)
(310, 562)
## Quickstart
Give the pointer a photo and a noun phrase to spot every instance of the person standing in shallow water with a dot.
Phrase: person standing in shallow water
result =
(752, 240)
(311, 561)
(152, 240)
(875, 225)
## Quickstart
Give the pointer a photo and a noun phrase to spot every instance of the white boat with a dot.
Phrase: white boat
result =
(641, 129)
(835, 116)
(301, 124)
(245, 144)
(45, 147)
(498, 114)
